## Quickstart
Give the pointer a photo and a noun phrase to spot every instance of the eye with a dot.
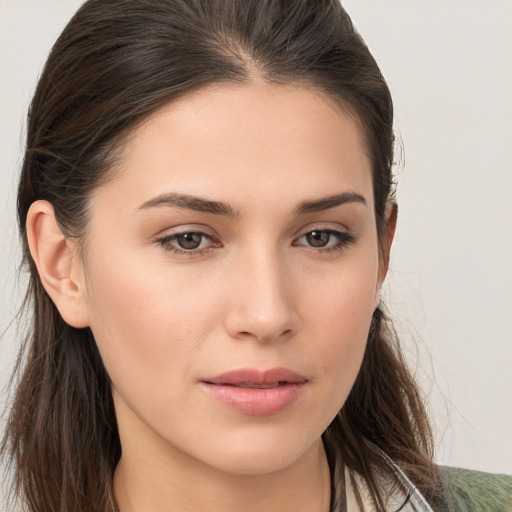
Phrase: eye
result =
(189, 240)
(326, 239)
(187, 243)
(318, 238)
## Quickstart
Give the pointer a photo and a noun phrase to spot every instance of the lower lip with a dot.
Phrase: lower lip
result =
(256, 401)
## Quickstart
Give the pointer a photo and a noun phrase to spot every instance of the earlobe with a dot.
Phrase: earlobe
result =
(57, 262)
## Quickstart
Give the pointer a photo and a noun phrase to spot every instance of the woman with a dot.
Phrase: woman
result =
(206, 208)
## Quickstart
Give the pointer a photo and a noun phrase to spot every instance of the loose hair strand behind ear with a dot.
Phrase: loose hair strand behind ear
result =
(63, 434)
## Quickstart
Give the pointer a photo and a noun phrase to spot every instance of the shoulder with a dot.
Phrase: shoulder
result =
(476, 491)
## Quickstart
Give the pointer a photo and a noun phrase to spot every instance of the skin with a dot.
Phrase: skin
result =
(256, 293)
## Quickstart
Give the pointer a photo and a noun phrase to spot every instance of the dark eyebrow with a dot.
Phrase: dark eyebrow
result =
(219, 208)
(325, 203)
(192, 203)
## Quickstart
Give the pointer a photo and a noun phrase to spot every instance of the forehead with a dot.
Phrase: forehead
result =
(235, 141)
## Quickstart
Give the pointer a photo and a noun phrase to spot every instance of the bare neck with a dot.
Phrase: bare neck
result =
(181, 484)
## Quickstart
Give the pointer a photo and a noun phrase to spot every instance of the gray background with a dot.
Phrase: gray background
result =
(449, 67)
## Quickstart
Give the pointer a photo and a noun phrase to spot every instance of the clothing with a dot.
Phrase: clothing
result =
(401, 495)
(475, 491)
(465, 491)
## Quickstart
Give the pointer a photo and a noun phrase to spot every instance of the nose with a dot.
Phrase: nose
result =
(261, 305)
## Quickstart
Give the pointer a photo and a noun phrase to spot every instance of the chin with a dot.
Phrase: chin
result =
(264, 454)
(262, 463)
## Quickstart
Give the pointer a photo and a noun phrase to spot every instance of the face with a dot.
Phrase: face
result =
(231, 270)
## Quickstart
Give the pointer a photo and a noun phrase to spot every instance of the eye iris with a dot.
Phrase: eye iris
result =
(318, 238)
(189, 240)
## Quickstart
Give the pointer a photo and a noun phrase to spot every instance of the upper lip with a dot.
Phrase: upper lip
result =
(254, 376)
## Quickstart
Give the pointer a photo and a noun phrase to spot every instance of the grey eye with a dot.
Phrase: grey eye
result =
(318, 238)
(189, 240)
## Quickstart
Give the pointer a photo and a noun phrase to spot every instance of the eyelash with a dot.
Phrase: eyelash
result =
(166, 243)
(344, 239)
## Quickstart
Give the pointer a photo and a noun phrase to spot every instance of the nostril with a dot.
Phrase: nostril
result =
(269, 323)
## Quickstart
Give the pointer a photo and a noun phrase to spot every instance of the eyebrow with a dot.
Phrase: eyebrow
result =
(192, 203)
(326, 203)
(200, 204)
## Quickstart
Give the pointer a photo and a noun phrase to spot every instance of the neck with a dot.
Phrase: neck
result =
(146, 482)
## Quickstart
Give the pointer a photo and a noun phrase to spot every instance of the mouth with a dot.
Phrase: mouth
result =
(252, 377)
(254, 392)
(252, 385)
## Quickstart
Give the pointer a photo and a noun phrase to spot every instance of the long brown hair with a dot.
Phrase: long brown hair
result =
(117, 62)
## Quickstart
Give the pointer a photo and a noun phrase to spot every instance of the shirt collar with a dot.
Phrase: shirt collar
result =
(400, 493)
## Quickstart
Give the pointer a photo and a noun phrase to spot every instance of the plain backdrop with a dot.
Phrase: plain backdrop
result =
(449, 66)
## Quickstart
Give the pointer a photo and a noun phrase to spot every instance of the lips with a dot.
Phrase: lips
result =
(254, 392)
(251, 377)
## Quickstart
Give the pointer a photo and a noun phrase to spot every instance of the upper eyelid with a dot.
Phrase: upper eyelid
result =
(176, 231)
(165, 241)
(327, 230)
(343, 236)
(215, 239)
(322, 227)
(173, 236)
(204, 230)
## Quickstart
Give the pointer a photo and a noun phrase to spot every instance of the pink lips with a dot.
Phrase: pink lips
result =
(254, 392)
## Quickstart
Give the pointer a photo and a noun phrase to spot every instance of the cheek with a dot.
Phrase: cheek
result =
(339, 316)
(146, 323)
(343, 298)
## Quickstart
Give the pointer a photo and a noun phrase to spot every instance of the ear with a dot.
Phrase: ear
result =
(391, 215)
(58, 263)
